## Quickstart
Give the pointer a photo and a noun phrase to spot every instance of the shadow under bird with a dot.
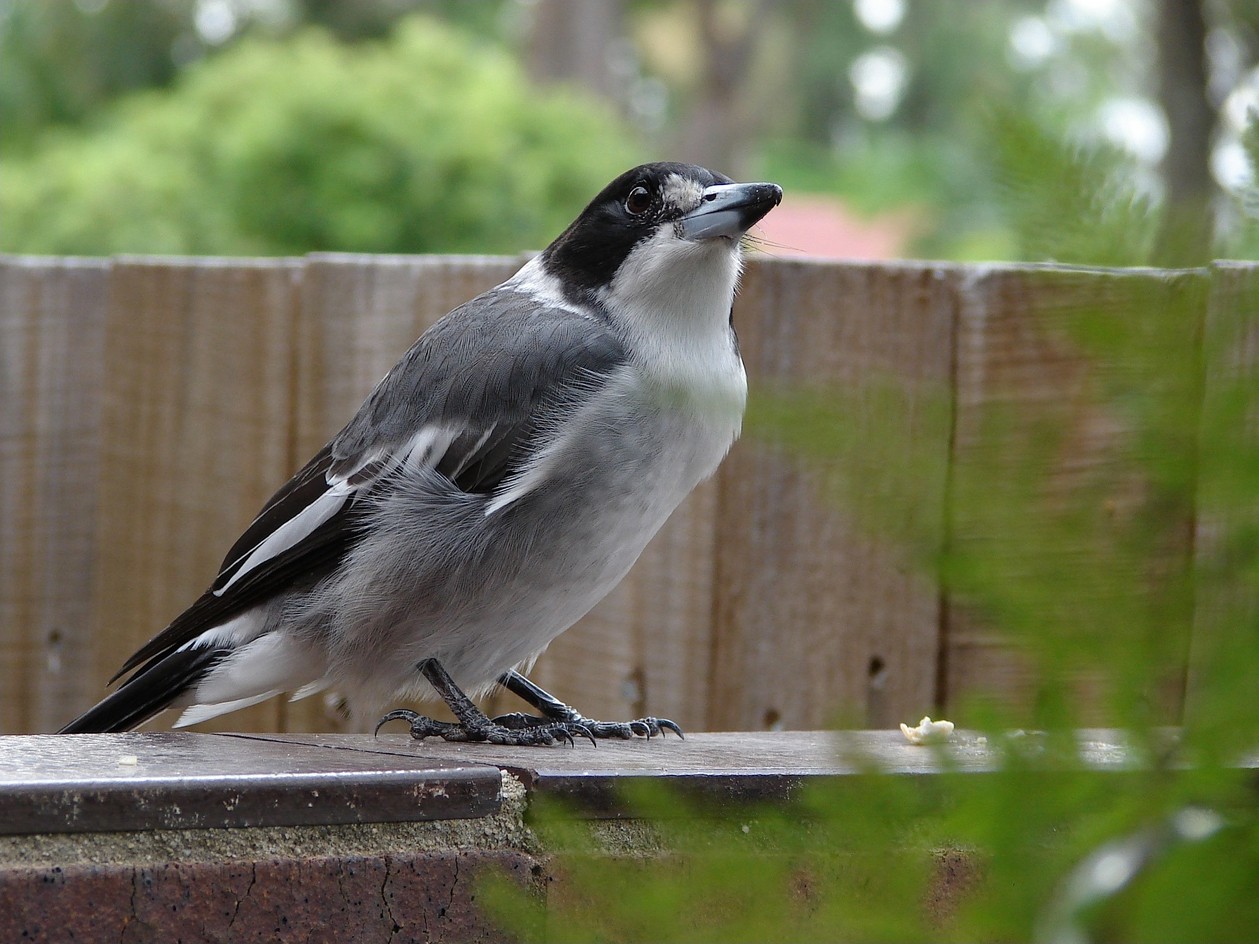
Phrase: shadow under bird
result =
(499, 481)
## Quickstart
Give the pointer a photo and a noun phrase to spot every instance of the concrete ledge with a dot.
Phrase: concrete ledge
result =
(360, 883)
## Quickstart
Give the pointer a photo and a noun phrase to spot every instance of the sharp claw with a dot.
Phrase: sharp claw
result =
(668, 725)
(641, 728)
(589, 734)
(398, 714)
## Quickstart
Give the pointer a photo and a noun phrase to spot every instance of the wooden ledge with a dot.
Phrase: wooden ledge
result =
(375, 839)
(120, 782)
(160, 780)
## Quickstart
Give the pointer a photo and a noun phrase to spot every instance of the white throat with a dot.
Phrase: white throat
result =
(672, 298)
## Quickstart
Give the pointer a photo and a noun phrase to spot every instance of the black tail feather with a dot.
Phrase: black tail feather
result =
(147, 692)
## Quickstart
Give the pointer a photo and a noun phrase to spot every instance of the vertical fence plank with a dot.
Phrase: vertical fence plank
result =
(817, 613)
(1053, 473)
(196, 436)
(152, 406)
(1226, 601)
(52, 315)
(359, 315)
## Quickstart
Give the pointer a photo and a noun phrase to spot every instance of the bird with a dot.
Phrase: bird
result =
(497, 483)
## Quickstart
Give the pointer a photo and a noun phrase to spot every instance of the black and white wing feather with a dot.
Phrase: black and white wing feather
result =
(471, 400)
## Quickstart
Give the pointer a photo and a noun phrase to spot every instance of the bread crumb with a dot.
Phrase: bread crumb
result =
(928, 731)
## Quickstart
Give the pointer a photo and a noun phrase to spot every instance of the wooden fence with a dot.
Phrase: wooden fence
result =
(151, 405)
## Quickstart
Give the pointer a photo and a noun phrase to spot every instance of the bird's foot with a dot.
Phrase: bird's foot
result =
(624, 730)
(493, 731)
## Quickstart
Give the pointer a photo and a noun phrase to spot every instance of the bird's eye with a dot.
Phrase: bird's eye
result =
(639, 201)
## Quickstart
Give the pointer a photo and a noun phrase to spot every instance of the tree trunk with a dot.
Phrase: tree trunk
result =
(569, 41)
(1186, 234)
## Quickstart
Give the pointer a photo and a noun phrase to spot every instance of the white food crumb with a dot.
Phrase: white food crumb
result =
(928, 731)
(128, 760)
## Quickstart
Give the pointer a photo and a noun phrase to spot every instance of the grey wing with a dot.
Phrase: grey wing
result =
(467, 400)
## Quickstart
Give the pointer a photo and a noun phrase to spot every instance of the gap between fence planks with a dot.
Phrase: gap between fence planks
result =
(152, 405)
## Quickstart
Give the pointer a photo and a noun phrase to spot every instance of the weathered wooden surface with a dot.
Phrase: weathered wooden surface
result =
(52, 325)
(815, 614)
(182, 780)
(152, 405)
(1227, 584)
(179, 780)
(197, 407)
(1049, 482)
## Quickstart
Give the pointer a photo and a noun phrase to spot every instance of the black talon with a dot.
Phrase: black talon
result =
(398, 714)
(666, 724)
(552, 709)
(555, 723)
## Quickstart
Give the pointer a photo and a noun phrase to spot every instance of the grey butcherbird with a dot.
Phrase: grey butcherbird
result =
(495, 486)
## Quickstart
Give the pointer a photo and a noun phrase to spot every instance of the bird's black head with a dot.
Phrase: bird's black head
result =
(652, 213)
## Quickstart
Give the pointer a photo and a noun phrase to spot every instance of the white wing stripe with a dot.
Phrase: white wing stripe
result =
(463, 460)
(427, 446)
(293, 531)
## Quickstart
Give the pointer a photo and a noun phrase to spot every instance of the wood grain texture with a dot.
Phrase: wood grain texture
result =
(816, 613)
(358, 316)
(746, 754)
(52, 318)
(1076, 396)
(1226, 597)
(197, 401)
(151, 406)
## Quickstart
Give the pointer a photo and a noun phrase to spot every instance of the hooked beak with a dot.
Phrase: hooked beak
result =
(729, 210)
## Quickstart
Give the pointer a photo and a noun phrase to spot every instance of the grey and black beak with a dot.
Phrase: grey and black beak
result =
(729, 210)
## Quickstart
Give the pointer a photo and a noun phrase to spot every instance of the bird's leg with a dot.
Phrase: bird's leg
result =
(473, 725)
(553, 710)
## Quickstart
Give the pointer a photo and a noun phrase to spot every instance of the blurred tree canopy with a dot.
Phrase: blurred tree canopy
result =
(430, 140)
(963, 117)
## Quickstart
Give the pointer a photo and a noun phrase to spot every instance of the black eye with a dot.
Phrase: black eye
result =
(639, 201)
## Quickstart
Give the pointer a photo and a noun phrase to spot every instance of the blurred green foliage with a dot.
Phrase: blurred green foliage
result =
(983, 136)
(1069, 202)
(1130, 614)
(429, 141)
(857, 862)
(1108, 611)
(60, 60)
